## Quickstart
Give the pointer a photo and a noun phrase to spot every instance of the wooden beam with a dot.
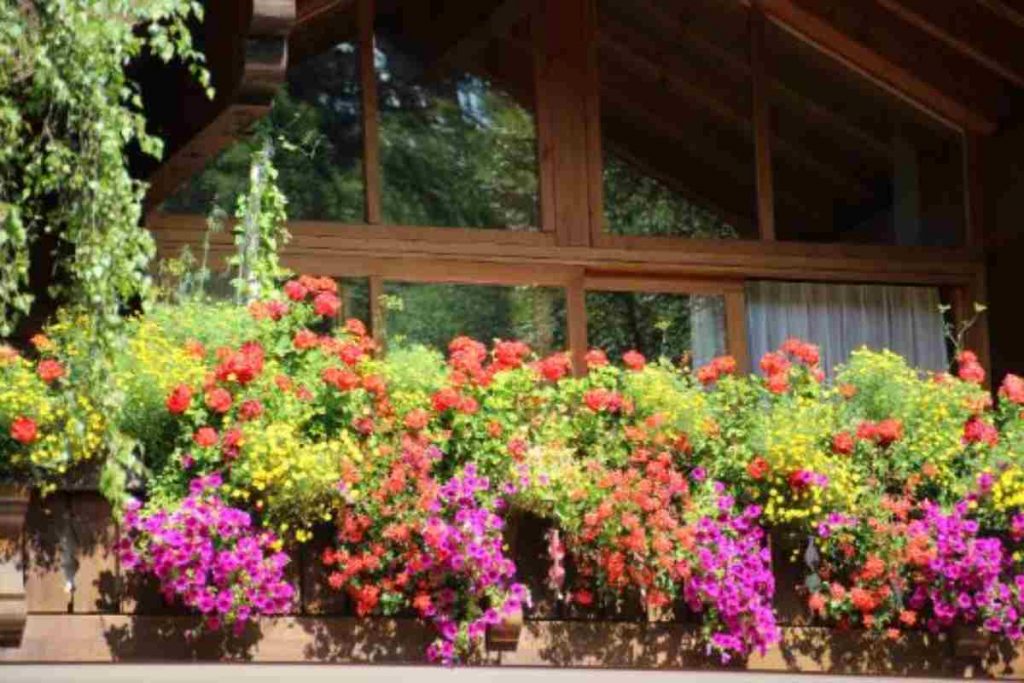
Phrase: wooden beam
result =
(990, 45)
(739, 65)
(238, 103)
(856, 55)
(1004, 11)
(672, 75)
(762, 127)
(568, 124)
(371, 134)
(319, 247)
(596, 645)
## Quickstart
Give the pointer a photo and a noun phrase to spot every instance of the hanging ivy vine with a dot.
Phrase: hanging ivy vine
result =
(67, 113)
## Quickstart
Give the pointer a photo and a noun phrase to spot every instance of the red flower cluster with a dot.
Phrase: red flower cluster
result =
(969, 369)
(1013, 389)
(554, 367)
(883, 433)
(242, 366)
(179, 399)
(716, 369)
(50, 370)
(634, 360)
(977, 430)
(24, 430)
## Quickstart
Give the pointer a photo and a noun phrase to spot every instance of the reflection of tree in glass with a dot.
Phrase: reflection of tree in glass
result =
(455, 151)
(639, 204)
(654, 324)
(434, 314)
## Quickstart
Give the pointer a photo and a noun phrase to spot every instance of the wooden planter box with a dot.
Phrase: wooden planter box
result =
(13, 608)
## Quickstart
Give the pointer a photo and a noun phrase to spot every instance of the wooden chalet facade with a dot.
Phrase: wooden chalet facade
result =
(873, 142)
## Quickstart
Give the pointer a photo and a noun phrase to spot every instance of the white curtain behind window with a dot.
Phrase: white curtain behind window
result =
(707, 328)
(842, 318)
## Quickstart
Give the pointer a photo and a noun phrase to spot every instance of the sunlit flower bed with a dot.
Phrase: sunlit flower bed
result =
(254, 427)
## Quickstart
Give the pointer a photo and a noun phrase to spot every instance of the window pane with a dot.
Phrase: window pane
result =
(316, 128)
(682, 328)
(676, 119)
(457, 148)
(841, 318)
(854, 163)
(355, 298)
(434, 314)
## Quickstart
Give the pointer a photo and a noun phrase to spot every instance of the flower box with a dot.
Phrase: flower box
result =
(13, 611)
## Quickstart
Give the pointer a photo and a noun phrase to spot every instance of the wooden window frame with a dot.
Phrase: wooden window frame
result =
(571, 247)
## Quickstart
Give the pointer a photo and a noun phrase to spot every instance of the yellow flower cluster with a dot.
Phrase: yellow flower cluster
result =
(659, 390)
(1008, 491)
(288, 479)
(796, 435)
(155, 363)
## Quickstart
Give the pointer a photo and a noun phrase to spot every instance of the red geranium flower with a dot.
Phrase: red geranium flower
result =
(205, 437)
(50, 370)
(778, 383)
(598, 399)
(555, 367)
(634, 360)
(445, 399)
(758, 468)
(305, 339)
(510, 354)
(888, 431)
(355, 327)
(843, 443)
(417, 419)
(250, 410)
(326, 304)
(218, 400)
(295, 290)
(179, 399)
(596, 358)
(707, 375)
(774, 363)
(1013, 389)
(24, 430)
(977, 430)
(341, 379)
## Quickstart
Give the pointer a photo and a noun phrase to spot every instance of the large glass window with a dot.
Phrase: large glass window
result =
(681, 328)
(434, 314)
(457, 148)
(315, 127)
(676, 119)
(859, 163)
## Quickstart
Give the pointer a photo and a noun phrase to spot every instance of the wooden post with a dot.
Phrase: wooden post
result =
(736, 328)
(576, 312)
(568, 119)
(762, 126)
(368, 88)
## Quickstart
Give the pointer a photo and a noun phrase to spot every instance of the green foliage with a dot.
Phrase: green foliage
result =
(67, 113)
